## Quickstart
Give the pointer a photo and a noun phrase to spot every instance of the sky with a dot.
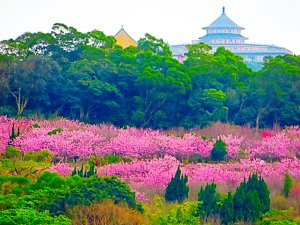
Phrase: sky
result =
(175, 21)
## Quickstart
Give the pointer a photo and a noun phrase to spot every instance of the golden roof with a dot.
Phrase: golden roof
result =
(124, 39)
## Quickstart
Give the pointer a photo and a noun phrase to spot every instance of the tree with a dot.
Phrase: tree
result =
(227, 210)
(4, 74)
(208, 198)
(287, 185)
(177, 189)
(32, 79)
(253, 206)
(156, 46)
(89, 88)
(251, 199)
(219, 150)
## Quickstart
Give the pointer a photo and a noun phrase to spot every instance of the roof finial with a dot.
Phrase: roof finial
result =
(223, 10)
(122, 26)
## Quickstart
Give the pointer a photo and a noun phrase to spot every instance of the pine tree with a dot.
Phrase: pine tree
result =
(287, 185)
(264, 195)
(177, 189)
(253, 207)
(239, 199)
(227, 210)
(258, 184)
(209, 199)
(251, 199)
(219, 150)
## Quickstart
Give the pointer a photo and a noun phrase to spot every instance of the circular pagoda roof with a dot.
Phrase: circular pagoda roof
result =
(223, 21)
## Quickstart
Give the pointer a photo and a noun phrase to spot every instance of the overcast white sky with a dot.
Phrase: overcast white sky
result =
(175, 21)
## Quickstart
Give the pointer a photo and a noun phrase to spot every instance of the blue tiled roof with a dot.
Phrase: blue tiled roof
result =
(223, 22)
(223, 35)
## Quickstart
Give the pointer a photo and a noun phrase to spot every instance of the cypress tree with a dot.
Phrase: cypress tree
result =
(252, 198)
(264, 195)
(287, 185)
(209, 199)
(219, 150)
(239, 199)
(253, 207)
(227, 210)
(177, 189)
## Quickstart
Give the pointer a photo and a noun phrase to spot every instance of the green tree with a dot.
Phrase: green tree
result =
(209, 201)
(219, 150)
(253, 207)
(251, 199)
(89, 88)
(177, 189)
(287, 185)
(156, 46)
(227, 210)
(33, 79)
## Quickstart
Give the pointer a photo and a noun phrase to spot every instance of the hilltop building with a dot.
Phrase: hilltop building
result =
(124, 39)
(224, 32)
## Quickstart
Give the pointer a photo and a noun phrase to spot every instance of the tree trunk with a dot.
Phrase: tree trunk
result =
(257, 122)
(259, 114)
(21, 104)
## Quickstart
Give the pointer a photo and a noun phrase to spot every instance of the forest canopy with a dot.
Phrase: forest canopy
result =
(86, 76)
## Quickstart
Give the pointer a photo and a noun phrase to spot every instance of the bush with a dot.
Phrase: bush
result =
(280, 217)
(219, 151)
(105, 212)
(110, 159)
(183, 214)
(35, 125)
(195, 158)
(280, 202)
(177, 189)
(12, 152)
(43, 155)
(55, 131)
(54, 193)
(28, 216)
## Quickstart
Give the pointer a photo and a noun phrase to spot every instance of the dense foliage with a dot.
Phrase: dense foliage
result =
(251, 199)
(208, 198)
(218, 151)
(177, 189)
(87, 76)
(54, 194)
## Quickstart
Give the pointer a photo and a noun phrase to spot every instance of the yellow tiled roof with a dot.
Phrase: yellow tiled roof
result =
(124, 39)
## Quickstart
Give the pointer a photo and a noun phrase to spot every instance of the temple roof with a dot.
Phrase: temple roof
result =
(223, 35)
(223, 21)
(124, 39)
